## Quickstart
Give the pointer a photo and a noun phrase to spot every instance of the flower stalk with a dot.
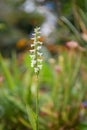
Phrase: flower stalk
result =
(36, 63)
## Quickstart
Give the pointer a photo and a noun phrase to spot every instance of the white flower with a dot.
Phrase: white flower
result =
(32, 56)
(39, 53)
(38, 36)
(40, 67)
(32, 45)
(38, 48)
(33, 63)
(32, 51)
(35, 42)
(39, 60)
(37, 29)
(36, 70)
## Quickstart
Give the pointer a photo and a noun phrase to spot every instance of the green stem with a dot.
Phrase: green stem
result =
(37, 105)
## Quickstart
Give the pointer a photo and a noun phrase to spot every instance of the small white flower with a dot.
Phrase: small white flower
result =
(32, 65)
(32, 51)
(36, 70)
(35, 43)
(32, 45)
(37, 29)
(40, 67)
(38, 36)
(32, 56)
(39, 60)
(39, 53)
(34, 62)
(38, 48)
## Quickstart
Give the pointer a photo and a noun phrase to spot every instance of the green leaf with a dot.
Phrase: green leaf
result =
(16, 102)
(32, 117)
(46, 74)
(16, 71)
(83, 126)
(73, 29)
(27, 60)
(7, 74)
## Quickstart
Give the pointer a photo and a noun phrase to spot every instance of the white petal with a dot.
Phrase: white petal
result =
(40, 67)
(39, 53)
(36, 70)
(39, 47)
(32, 45)
(40, 60)
(38, 36)
(35, 42)
(32, 65)
(32, 51)
(34, 62)
(32, 56)
(37, 29)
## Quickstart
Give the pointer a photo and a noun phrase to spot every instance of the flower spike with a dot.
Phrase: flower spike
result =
(35, 52)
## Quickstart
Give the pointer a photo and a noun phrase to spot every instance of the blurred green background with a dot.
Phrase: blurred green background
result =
(63, 79)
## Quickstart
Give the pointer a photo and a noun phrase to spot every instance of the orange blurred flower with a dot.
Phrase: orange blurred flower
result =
(21, 43)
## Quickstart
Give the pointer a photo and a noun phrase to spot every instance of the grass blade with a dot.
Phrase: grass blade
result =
(32, 117)
(7, 74)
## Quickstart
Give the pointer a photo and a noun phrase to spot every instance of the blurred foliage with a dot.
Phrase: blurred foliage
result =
(15, 24)
(63, 80)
